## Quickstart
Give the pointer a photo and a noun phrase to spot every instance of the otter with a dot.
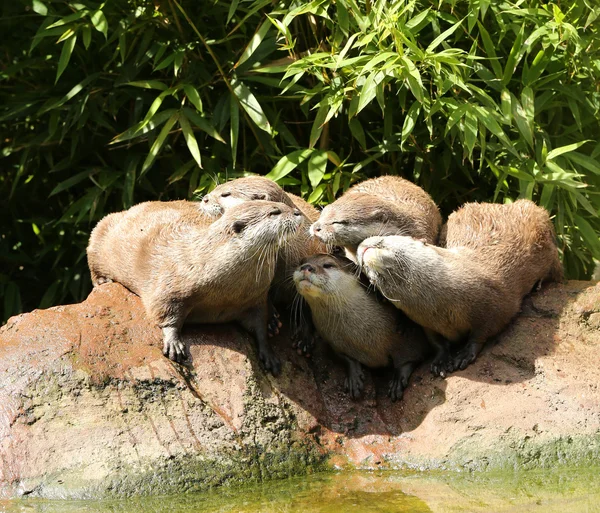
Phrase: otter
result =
(185, 266)
(494, 256)
(356, 325)
(252, 188)
(388, 205)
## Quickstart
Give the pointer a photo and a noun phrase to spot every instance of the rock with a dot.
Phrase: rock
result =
(89, 407)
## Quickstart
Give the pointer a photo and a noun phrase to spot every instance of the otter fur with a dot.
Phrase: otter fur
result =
(356, 325)
(186, 266)
(388, 205)
(494, 256)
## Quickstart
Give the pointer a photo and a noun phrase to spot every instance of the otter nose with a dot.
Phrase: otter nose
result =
(275, 211)
(297, 212)
(307, 268)
(316, 227)
(205, 199)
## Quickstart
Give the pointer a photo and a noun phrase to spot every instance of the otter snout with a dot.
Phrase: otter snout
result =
(307, 268)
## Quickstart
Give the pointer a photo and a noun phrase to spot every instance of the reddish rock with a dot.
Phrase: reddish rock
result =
(89, 406)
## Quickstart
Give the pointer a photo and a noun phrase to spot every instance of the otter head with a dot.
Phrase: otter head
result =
(241, 190)
(324, 276)
(260, 224)
(348, 221)
(397, 254)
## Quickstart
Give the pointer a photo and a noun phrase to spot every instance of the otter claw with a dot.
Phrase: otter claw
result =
(354, 385)
(270, 362)
(175, 351)
(396, 390)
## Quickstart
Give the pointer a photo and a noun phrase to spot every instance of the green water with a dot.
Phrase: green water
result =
(563, 491)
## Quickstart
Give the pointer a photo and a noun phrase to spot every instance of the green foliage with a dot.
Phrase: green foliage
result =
(107, 104)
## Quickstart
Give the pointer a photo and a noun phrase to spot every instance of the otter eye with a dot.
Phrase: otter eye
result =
(328, 266)
(225, 194)
(340, 222)
(238, 226)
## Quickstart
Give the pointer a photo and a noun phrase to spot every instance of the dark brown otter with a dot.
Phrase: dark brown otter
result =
(473, 288)
(356, 325)
(185, 266)
(388, 205)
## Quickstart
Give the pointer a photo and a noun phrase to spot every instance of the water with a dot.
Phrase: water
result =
(563, 491)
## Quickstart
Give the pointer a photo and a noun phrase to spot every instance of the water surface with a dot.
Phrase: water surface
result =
(564, 491)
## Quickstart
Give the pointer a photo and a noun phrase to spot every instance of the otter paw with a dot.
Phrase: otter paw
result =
(273, 325)
(355, 385)
(270, 362)
(439, 367)
(462, 360)
(396, 389)
(175, 350)
(305, 345)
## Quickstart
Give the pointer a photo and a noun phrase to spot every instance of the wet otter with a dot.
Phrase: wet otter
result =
(185, 267)
(388, 205)
(358, 327)
(495, 255)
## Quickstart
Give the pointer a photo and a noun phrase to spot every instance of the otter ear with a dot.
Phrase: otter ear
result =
(380, 215)
(259, 196)
(238, 226)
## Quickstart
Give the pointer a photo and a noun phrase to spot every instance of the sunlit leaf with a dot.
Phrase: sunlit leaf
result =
(288, 163)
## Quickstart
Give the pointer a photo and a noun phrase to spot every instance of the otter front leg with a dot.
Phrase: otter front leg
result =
(305, 334)
(255, 321)
(173, 346)
(273, 323)
(468, 354)
(399, 381)
(441, 358)
(355, 380)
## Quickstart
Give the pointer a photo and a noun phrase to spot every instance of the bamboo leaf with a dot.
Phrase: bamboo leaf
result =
(410, 121)
(584, 161)
(190, 139)
(39, 7)
(158, 143)
(234, 127)
(250, 104)
(148, 84)
(65, 55)
(317, 126)
(443, 36)
(193, 96)
(254, 43)
(288, 163)
(565, 149)
(590, 236)
(511, 62)
(203, 124)
(141, 128)
(86, 33)
(100, 23)
(317, 165)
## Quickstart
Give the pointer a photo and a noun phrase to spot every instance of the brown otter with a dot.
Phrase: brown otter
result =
(388, 205)
(185, 267)
(495, 255)
(356, 325)
(252, 188)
